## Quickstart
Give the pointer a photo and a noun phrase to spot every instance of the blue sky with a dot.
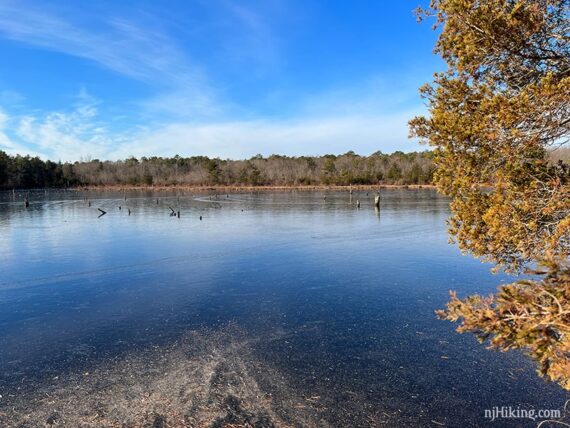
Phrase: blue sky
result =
(227, 78)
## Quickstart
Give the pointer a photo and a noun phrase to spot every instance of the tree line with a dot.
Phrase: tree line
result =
(349, 168)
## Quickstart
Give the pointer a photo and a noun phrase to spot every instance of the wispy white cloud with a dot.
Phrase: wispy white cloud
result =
(7, 144)
(332, 122)
(64, 135)
(118, 45)
(366, 117)
(3, 119)
(242, 139)
(77, 134)
(133, 49)
(138, 46)
(378, 94)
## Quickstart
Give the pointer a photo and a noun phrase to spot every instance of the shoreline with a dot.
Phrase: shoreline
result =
(233, 188)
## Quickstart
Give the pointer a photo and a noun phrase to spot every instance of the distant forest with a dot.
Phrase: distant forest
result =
(349, 168)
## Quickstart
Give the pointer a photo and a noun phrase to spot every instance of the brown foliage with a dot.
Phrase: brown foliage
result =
(530, 315)
(275, 170)
(497, 116)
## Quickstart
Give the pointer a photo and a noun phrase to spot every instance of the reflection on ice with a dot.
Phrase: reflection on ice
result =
(334, 308)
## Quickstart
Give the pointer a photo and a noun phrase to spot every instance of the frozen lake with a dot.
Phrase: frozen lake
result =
(321, 311)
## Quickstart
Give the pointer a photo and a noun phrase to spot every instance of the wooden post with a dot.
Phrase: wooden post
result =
(26, 202)
(377, 200)
(129, 211)
(357, 203)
